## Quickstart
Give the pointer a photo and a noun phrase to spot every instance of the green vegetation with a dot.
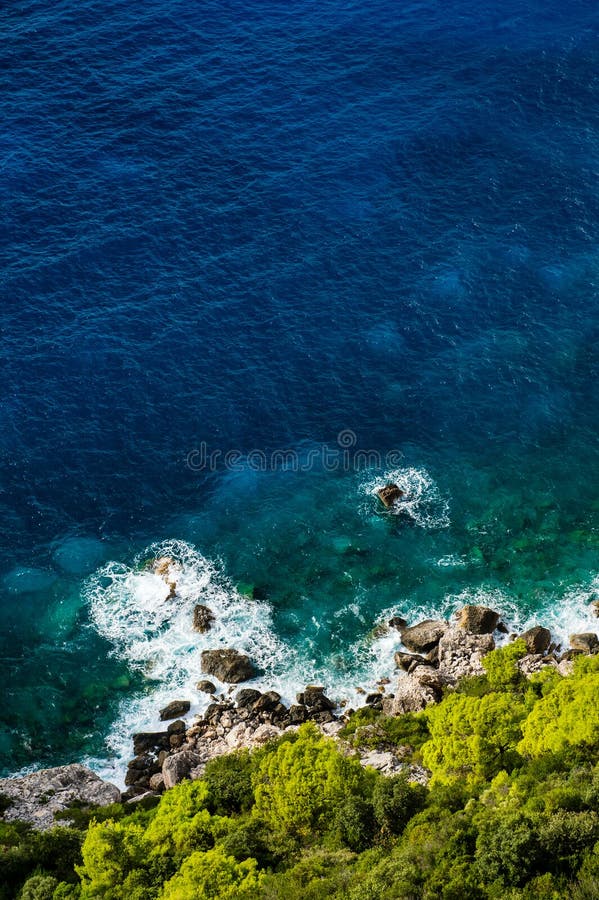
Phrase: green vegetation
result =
(511, 811)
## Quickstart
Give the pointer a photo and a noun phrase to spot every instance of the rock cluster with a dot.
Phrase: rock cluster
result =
(252, 718)
(442, 653)
(37, 797)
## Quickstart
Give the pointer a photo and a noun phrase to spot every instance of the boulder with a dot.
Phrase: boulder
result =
(35, 798)
(203, 617)
(176, 727)
(177, 767)
(424, 636)
(162, 565)
(174, 709)
(207, 687)
(477, 619)
(246, 697)
(587, 642)
(390, 494)
(314, 698)
(266, 702)
(265, 733)
(537, 639)
(227, 665)
(397, 622)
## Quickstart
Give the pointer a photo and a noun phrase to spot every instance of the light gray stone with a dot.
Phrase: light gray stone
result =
(38, 796)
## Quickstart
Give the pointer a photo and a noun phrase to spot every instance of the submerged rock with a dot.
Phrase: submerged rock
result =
(227, 665)
(37, 797)
(174, 709)
(203, 617)
(478, 619)
(389, 494)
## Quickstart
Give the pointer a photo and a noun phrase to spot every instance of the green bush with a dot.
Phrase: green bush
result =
(299, 786)
(214, 876)
(229, 782)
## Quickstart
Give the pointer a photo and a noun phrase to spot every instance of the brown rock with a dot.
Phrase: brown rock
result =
(424, 636)
(161, 566)
(586, 642)
(478, 619)
(227, 665)
(206, 687)
(149, 740)
(247, 697)
(203, 617)
(175, 709)
(537, 639)
(177, 727)
(389, 494)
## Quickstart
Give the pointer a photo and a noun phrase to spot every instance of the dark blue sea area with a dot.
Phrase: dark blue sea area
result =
(344, 242)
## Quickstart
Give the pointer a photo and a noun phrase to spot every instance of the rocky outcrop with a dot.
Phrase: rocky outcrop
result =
(424, 636)
(461, 653)
(477, 619)
(174, 709)
(227, 665)
(37, 797)
(203, 617)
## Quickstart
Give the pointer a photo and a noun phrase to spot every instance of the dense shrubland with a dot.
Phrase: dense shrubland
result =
(511, 811)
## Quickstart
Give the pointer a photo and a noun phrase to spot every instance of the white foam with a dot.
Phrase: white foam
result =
(423, 501)
(129, 606)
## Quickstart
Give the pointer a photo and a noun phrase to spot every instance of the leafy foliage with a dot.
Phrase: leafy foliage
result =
(511, 811)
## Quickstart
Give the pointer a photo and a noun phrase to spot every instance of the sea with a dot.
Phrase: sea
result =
(257, 260)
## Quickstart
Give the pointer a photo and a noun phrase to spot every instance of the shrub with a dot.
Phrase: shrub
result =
(395, 800)
(473, 738)
(229, 782)
(214, 876)
(299, 786)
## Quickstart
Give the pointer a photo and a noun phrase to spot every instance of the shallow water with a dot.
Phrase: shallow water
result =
(329, 229)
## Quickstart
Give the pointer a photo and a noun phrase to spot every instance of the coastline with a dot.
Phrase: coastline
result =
(437, 656)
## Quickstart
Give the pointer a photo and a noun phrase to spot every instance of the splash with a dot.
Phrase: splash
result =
(423, 502)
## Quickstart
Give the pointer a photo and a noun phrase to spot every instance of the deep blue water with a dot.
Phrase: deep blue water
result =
(255, 226)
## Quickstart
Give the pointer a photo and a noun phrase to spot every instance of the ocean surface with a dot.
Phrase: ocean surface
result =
(342, 242)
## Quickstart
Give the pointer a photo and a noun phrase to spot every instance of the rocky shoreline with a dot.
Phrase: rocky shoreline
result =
(438, 653)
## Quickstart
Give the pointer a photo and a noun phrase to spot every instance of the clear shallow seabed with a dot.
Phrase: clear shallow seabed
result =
(258, 226)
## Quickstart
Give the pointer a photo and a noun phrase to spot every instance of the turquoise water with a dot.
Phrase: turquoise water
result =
(333, 229)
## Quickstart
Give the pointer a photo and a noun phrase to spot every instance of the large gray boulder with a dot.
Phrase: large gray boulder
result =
(35, 798)
(424, 636)
(177, 767)
(227, 665)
